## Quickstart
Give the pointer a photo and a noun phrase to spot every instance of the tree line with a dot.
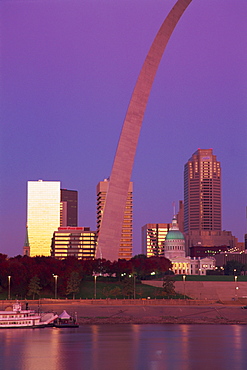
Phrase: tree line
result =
(27, 276)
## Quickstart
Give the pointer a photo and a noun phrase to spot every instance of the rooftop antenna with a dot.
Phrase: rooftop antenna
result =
(174, 208)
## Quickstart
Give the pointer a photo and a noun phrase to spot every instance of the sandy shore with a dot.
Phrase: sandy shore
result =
(91, 312)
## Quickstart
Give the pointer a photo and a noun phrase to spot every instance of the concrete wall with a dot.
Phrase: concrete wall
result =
(208, 290)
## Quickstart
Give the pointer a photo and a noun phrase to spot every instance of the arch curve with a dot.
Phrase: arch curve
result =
(112, 220)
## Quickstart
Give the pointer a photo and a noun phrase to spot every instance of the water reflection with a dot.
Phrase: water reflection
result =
(125, 347)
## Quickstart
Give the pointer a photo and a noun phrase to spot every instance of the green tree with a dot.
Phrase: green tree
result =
(127, 287)
(106, 291)
(73, 284)
(34, 286)
(115, 292)
(233, 267)
(168, 286)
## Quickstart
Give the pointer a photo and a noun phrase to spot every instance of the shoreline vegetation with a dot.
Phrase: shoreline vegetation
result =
(111, 312)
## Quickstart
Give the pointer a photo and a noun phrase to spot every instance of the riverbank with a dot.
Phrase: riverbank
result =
(190, 312)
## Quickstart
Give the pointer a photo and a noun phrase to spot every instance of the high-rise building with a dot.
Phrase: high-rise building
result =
(126, 243)
(153, 237)
(43, 215)
(202, 192)
(78, 242)
(68, 208)
(180, 216)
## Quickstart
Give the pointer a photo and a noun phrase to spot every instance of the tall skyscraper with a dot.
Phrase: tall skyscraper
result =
(68, 208)
(43, 215)
(126, 243)
(202, 192)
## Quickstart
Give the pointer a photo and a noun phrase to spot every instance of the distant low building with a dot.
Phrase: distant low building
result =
(207, 251)
(223, 258)
(78, 242)
(209, 238)
(153, 236)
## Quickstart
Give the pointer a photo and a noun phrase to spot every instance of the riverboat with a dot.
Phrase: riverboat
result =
(64, 320)
(19, 318)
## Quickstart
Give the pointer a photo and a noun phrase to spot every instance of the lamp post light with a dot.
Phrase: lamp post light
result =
(95, 279)
(236, 287)
(55, 277)
(236, 293)
(184, 277)
(134, 284)
(9, 278)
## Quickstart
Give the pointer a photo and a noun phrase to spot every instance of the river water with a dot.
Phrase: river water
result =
(125, 347)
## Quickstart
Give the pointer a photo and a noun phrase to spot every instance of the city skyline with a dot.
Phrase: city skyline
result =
(67, 76)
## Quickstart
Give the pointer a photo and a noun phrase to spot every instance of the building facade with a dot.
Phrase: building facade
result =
(153, 236)
(69, 208)
(126, 243)
(174, 250)
(43, 215)
(180, 216)
(224, 257)
(208, 238)
(202, 192)
(78, 242)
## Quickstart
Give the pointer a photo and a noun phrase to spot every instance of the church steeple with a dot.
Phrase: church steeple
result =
(26, 247)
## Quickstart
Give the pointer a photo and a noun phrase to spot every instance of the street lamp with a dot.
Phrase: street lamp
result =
(236, 288)
(9, 278)
(55, 277)
(134, 285)
(184, 277)
(95, 278)
(236, 293)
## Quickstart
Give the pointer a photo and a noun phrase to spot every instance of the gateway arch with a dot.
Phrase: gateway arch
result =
(112, 219)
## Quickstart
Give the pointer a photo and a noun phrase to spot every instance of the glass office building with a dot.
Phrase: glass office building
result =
(43, 215)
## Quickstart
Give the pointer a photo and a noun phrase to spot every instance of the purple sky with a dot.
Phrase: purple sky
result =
(67, 72)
